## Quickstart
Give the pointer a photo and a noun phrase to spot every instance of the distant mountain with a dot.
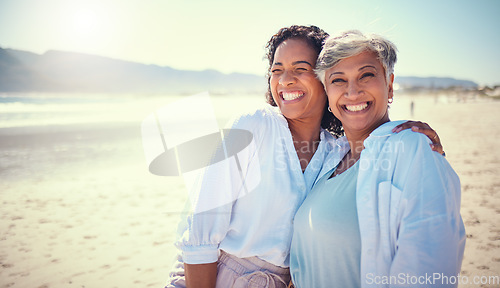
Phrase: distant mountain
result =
(15, 75)
(58, 71)
(432, 82)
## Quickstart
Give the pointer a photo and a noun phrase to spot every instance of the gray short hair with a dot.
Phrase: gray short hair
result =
(352, 43)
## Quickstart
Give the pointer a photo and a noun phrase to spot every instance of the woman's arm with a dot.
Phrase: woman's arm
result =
(431, 234)
(201, 275)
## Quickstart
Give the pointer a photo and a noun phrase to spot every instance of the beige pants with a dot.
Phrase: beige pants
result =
(234, 272)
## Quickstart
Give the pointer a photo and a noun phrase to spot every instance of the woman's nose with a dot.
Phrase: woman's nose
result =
(353, 90)
(286, 79)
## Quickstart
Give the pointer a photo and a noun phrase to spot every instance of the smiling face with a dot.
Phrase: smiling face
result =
(358, 93)
(294, 86)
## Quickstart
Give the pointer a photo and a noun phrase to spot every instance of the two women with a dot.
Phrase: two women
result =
(388, 212)
(247, 242)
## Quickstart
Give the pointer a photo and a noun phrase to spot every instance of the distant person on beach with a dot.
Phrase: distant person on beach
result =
(247, 242)
(387, 211)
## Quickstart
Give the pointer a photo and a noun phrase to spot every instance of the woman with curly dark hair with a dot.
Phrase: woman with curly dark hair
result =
(314, 37)
(246, 243)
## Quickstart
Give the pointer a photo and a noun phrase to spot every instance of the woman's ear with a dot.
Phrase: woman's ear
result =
(391, 86)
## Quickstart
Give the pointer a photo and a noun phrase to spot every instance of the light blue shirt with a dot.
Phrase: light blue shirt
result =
(326, 241)
(408, 204)
(259, 222)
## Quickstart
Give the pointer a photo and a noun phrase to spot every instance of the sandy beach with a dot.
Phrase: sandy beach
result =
(80, 209)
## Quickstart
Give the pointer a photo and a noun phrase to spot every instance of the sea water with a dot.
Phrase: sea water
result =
(34, 110)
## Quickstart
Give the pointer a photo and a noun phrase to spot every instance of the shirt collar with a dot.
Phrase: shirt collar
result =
(281, 118)
(383, 131)
(324, 135)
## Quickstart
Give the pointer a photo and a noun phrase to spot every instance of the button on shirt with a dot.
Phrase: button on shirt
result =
(259, 221)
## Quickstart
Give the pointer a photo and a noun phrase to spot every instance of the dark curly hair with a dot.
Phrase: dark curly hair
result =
(314, 37)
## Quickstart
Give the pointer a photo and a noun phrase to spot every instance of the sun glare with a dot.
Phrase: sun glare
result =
(84, 27)
(85, 21)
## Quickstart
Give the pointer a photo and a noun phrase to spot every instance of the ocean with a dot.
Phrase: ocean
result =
(25, 110)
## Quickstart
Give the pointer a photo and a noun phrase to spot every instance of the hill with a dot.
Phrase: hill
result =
(411, 82)
(59, 71)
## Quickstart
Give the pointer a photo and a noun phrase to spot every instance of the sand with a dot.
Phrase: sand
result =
(79, 208)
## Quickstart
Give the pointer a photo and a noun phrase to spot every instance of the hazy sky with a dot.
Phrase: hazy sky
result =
(455, 38)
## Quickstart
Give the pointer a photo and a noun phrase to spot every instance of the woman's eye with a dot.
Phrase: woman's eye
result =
(338, 81)
(368, 74)
(302, 69)
(275, 71)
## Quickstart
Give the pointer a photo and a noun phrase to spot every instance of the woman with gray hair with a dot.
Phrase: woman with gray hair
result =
(388, 213)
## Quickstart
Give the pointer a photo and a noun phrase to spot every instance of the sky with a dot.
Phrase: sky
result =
(442, 38)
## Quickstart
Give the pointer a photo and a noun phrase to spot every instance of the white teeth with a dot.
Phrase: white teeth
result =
(355, 108)
(291, 95)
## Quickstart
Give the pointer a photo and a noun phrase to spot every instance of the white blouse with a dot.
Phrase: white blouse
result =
(258, 195)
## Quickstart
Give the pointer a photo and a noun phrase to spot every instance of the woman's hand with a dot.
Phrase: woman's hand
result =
(425, 129)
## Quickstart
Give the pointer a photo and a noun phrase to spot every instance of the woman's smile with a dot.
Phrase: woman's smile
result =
(361, 107)
(291, 95)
